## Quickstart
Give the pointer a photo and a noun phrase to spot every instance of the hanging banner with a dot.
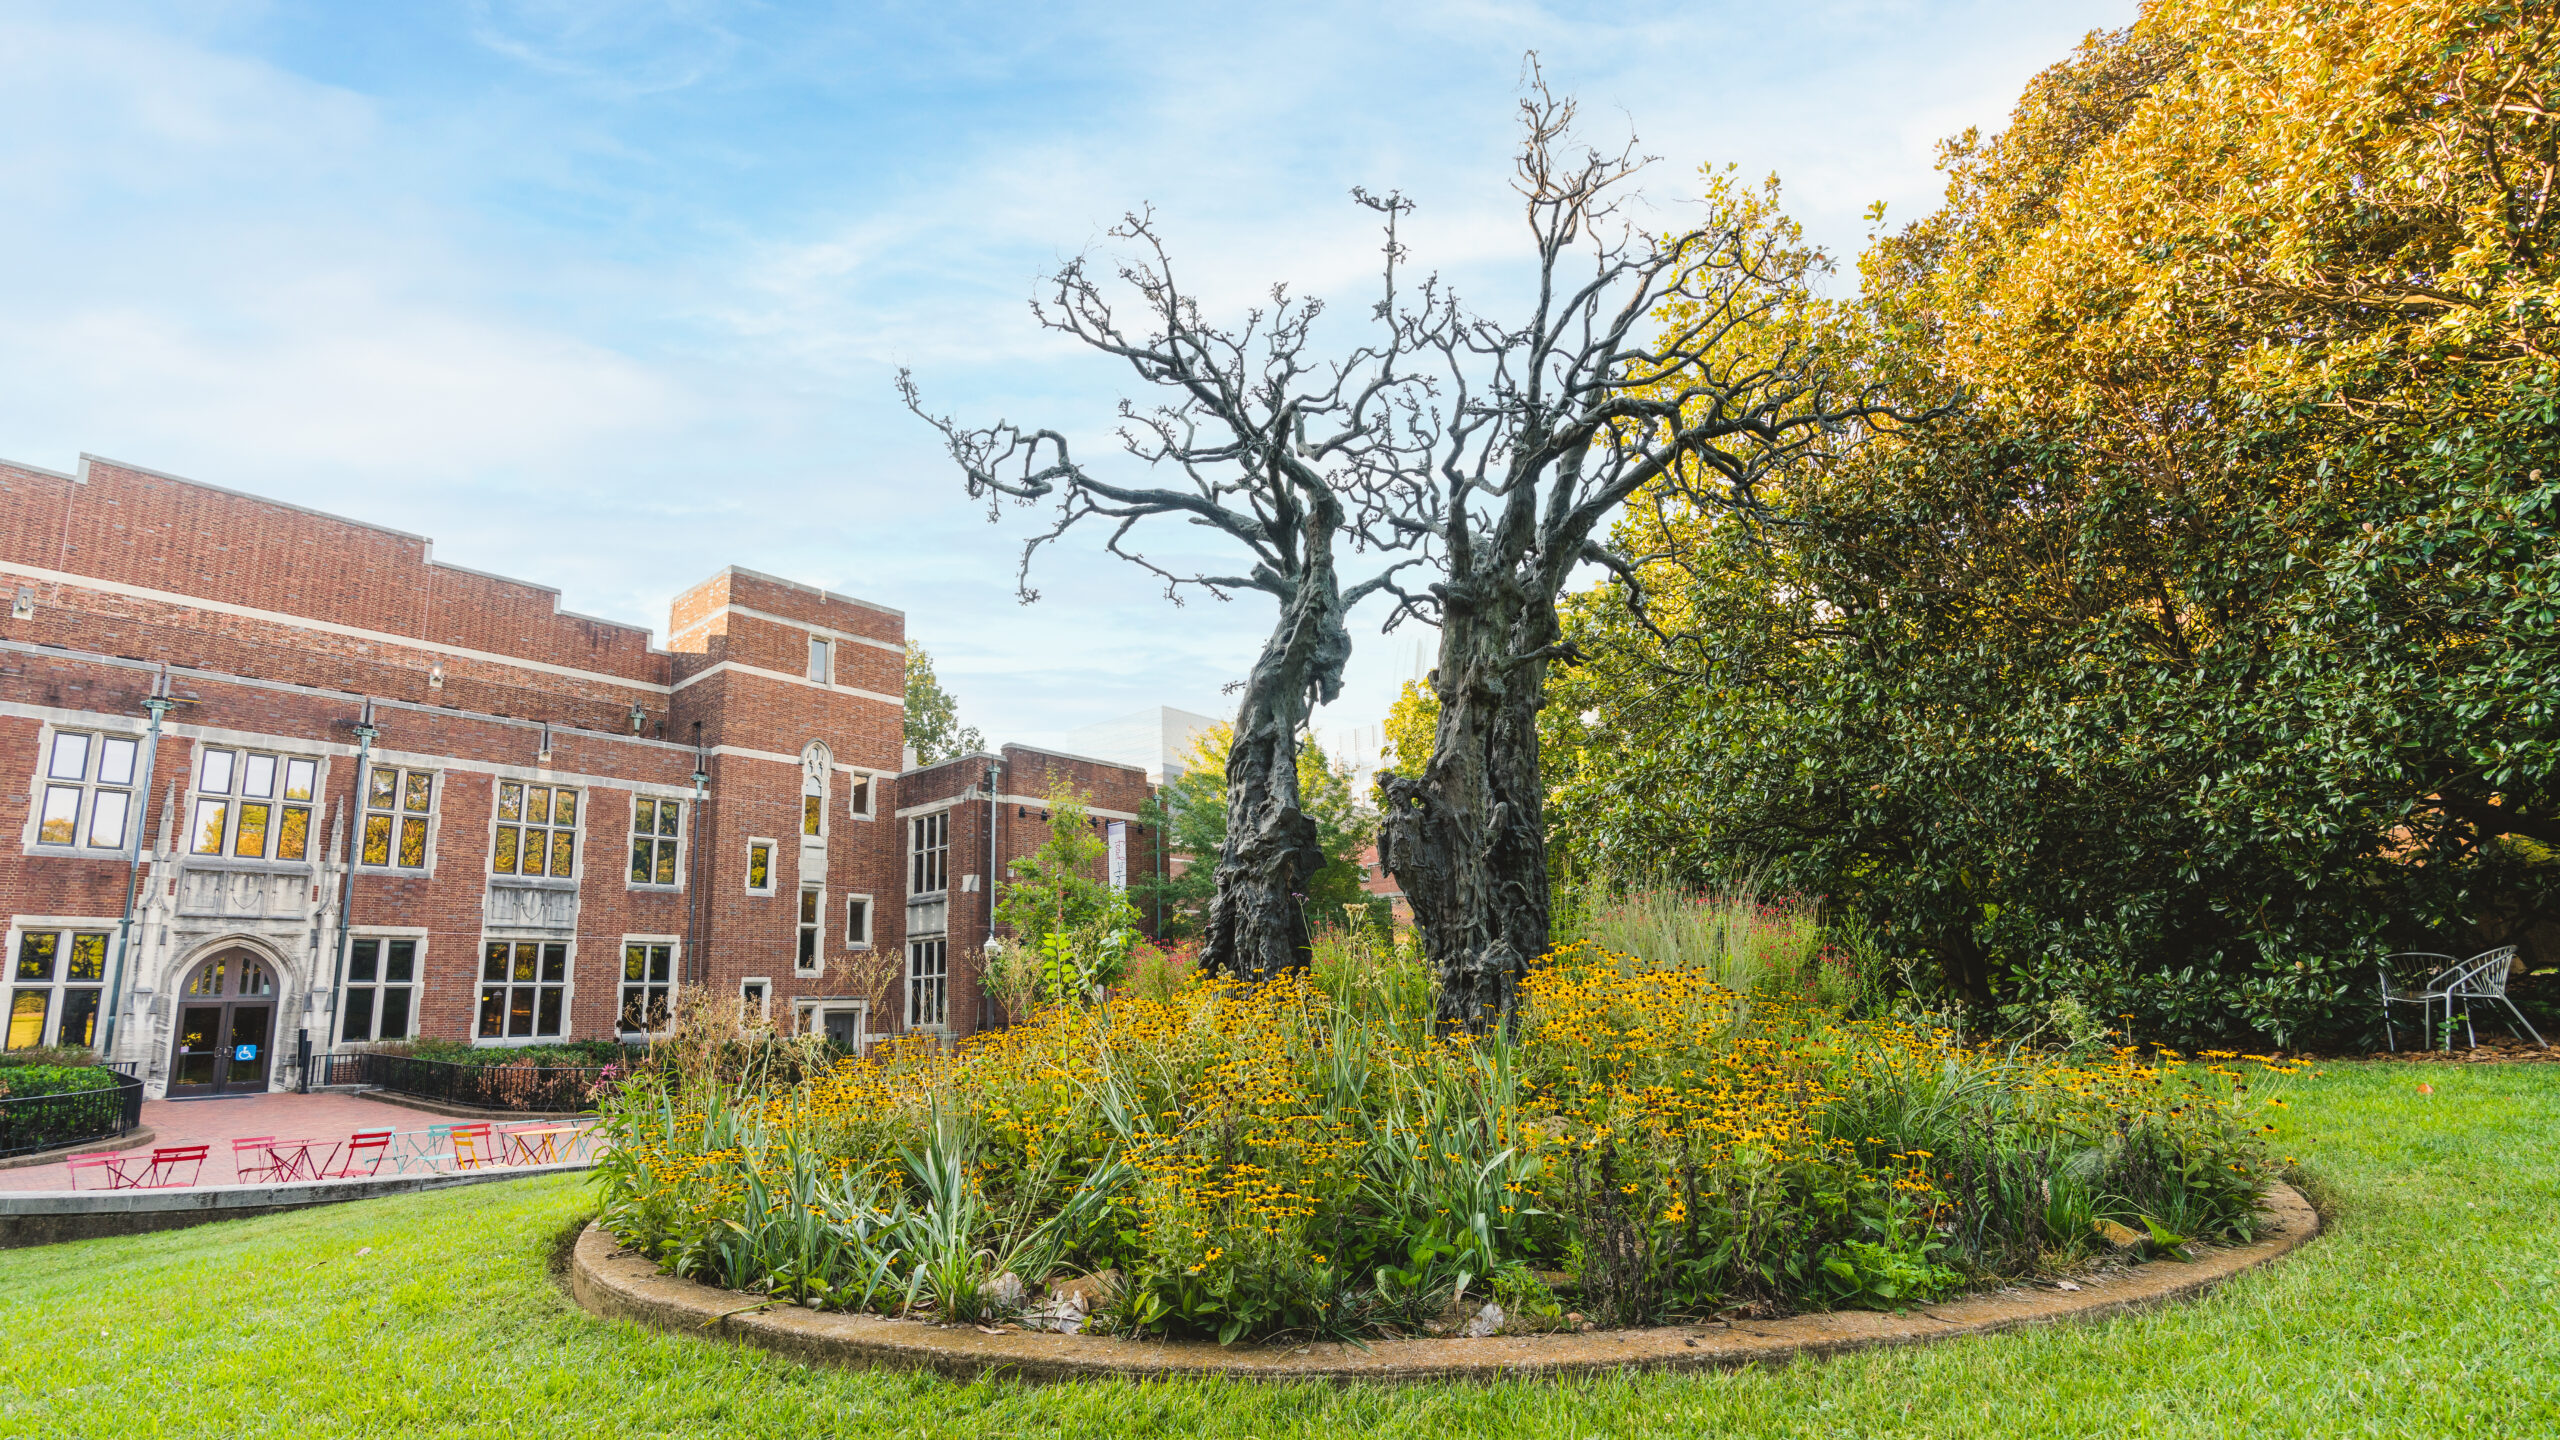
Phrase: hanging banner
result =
(1119, 855)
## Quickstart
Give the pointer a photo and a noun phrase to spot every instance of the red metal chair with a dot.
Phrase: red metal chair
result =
(103, 1160)
(167, 1161)
(472, 1147)
(244, 1148)
(362, 1157)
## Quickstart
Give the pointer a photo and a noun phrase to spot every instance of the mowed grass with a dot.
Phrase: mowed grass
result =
(2432, 1307)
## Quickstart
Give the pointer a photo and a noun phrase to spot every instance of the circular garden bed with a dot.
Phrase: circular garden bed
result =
(617, 1283)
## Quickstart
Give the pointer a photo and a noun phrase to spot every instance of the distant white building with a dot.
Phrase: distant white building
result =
(1155, 740)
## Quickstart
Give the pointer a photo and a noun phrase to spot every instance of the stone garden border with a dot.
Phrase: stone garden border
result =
(620, 1284)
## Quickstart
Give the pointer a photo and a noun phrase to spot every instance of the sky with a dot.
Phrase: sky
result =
(607, 294)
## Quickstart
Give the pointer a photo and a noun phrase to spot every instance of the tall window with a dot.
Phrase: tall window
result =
(397, 803)
(929, 853)
(58, 978)
(523, 988)
(858, 801)
(822, 659)
(928, 983)
(253, 806)
(537, 830)
(382, 976)
(87, 777)
(817, 768)
(857, 922)
(759, 867)
(656, 825)
(813, 899)
(648, 987)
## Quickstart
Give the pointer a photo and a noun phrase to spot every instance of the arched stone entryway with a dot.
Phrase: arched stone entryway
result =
(224, 1039)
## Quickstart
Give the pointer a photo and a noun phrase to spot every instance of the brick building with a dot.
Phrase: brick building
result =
(290, 780)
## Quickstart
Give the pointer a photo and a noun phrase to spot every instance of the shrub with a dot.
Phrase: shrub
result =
(1306, 1159)
(18, 1082)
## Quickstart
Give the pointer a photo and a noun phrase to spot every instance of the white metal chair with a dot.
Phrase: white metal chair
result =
(2484, 977)
(2435, 990)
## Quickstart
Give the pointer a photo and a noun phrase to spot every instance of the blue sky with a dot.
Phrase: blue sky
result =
(608, 293)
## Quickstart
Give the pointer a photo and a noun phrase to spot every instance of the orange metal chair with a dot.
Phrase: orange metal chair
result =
(472, 1147)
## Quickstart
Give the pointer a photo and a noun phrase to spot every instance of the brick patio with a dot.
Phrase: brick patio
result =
(218, 1122)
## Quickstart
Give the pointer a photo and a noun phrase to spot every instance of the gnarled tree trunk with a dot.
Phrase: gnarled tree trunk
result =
(1258, 918)
(1467, 841)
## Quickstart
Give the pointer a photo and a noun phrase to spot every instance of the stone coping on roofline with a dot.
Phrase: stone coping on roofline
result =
(620, 1284)
(49, 1217)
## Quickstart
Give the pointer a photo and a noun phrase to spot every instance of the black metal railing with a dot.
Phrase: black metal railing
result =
(46, 1122)
(551, 1089)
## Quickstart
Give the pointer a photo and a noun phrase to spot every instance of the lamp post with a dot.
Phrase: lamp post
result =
(365, 734)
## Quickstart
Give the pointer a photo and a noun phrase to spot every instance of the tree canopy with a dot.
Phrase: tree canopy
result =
(2212, 648)
(933, 716)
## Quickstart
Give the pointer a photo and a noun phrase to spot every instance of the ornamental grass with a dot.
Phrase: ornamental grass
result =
(1306, 1159)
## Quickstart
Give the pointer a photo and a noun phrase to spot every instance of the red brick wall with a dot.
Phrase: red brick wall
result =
(292, 677)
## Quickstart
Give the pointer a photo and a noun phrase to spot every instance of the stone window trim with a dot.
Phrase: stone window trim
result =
(532, 983)
(668, 853)
(811, 1013)
(817, 777)
(757, 992)
(66, 989)
(251, 806)
(100, 749)
(513, 836)
(762, 854)
(659, 961)
(822, 658)
(928, 854)
(857, 922)
(391, 822)
(928, 985)
(862, 792)
(811, 957)
(417, 937)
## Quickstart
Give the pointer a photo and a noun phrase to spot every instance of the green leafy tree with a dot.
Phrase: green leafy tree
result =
(2213, 649)
(1059, 905)
(933, 716)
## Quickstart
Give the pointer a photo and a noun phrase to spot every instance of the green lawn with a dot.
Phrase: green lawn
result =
(2431, 1308)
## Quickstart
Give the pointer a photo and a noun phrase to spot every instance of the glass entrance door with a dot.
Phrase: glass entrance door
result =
(244, 1047)
(196, 1067)
(226, 1028)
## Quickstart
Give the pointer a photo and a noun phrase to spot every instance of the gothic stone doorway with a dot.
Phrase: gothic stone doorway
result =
(226, 1027)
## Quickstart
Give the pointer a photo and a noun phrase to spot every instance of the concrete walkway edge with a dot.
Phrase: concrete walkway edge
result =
(50, 1217)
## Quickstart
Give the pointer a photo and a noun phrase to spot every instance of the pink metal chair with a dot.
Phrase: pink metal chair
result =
(102, 1161)
(166, 1164)
(362, 1157)
(248, 1146)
